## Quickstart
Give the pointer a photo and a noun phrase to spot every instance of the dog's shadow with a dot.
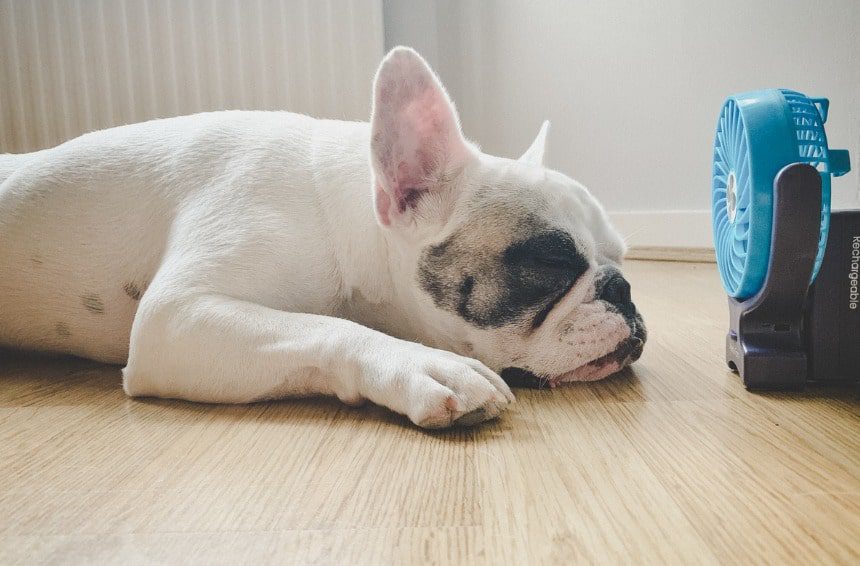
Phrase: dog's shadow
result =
(35, 379)
(39, 380)
(322, 411)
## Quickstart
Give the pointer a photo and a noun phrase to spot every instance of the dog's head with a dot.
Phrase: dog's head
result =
(508, 261)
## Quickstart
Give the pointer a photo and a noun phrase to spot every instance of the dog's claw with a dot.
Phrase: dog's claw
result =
(473, 418)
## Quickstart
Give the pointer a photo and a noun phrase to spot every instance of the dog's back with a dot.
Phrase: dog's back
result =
(10, 162)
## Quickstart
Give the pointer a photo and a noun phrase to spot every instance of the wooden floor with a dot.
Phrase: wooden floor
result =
(672, 461)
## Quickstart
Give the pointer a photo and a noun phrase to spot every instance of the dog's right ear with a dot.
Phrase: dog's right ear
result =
(536, 152)
(416, 139)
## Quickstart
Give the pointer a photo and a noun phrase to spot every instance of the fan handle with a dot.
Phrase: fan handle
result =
(765, 340)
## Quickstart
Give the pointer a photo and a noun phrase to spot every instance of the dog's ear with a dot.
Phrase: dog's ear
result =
(416, 139)
(537, 150)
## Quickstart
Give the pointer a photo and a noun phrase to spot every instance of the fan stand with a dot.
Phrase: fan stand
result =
(765, 343)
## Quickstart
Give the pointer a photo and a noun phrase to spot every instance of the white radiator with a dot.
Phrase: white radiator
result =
(72, 66)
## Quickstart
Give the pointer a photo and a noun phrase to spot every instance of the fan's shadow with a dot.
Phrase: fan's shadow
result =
(837, 391)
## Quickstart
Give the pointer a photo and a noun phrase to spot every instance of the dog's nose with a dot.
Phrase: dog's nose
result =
(616, 290)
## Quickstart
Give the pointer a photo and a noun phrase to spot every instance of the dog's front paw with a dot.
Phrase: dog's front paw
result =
(446, 390)
(438, 389)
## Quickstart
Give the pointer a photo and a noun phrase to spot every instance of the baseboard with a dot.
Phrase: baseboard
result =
(697, 255)
(666, 235)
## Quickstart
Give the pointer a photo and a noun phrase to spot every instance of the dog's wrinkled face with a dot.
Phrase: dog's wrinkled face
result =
(508, 261)
(531, 269)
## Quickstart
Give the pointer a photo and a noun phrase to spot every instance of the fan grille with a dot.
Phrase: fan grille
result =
(731, 196)
(809, 127)
(809, 116)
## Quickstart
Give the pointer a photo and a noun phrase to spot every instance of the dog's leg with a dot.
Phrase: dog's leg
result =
(214, 348)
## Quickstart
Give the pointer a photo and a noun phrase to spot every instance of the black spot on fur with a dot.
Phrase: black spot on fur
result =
(496, 290)
(93, 303)
(62, 330)
(133, 291)
(519, 377)
(465, 292)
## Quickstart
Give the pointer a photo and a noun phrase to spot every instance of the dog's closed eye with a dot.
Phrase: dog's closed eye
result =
(553, 251)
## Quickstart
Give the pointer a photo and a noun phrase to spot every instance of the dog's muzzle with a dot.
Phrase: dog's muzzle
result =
(613, 289)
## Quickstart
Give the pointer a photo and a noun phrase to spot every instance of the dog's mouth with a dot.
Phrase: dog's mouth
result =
(604, 366)
(623, 356)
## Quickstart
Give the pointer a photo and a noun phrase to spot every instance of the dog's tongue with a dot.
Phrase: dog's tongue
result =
(605, 366)
(590, 372)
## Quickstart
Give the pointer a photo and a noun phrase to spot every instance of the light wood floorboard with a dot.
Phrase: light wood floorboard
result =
(669, 462)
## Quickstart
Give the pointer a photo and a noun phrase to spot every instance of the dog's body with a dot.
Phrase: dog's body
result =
(97, 218)
(237, 256)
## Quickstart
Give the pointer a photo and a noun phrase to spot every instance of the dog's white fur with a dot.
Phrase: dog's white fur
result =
(270, 260)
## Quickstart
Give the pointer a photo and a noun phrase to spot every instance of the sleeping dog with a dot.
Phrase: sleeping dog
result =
(230, 257)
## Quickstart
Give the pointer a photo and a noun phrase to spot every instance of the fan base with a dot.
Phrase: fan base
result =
(790, 333)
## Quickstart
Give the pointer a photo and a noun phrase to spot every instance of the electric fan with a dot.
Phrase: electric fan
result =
(780, 250)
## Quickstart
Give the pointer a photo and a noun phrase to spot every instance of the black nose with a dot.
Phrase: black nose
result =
(616, 290)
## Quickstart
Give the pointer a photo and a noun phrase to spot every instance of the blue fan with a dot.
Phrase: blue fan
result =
(759, 133)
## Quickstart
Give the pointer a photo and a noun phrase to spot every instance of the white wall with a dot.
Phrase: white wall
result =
(633, 88)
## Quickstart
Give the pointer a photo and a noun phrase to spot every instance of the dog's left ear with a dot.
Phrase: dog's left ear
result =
(537, 150)
(416, 139)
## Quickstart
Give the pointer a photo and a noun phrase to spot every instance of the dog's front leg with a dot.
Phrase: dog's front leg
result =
(218, 349)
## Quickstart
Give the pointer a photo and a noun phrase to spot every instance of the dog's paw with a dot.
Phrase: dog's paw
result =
(448, 390)
(438, 389)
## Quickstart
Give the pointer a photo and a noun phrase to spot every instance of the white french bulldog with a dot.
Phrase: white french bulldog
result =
(231, 257)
